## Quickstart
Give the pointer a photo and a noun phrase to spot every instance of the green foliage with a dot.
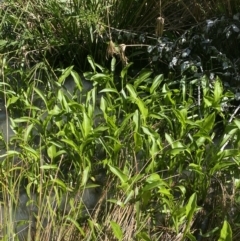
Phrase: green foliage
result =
(165, 142)
(116, 230)
(226, 232)
(157, 146)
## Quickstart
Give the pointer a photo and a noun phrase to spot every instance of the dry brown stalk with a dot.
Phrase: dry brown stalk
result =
(159, 26)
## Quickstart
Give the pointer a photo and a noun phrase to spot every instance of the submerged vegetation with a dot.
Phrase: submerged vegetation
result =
(110, 132)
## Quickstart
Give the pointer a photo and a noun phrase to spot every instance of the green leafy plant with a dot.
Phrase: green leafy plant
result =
(157, 147)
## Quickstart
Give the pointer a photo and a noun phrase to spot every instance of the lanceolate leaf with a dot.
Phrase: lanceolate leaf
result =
(208, 123)
(125, 70)
(226, 232)
(218, 90)
(123, 178)
(92, 63)
(143, 109)
(132, 91)
(143, 76)
(65, 74)
(117, 231)
(191, 207)
(156, 83)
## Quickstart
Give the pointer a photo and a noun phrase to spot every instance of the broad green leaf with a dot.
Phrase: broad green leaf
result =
(57, 144)
(191, 208)
(211, 233)
(143, 236)
(49, 167)
(125, 70)
(137, 141)
(92, 63)
(3, 43)
(12, 100)
(129, 197)
(85, 176)
(153, 135)
(125, 123)
(196, 168)
(181, 115)
(136, 120)
(101, 68)
(60, 153)
(123, 94)
(155, 147)
(205, 85)
(182, 118)
(237, 183)
(9, 153)
(117, 202)
(132, 91)
(41, 95)
(175, 151)
(183, 88)
(86, 125)
(226, 232)
(123, 178)
(208, 122)
(155, 140)
(76, 224)
(208, 101)
(65, 74)
(74, 131)
(154, 181)
(51, 152)
(218, 90)
(177, 144)
(106, 147)
(27, 132)
(106, 90)
(142, 77)
(62, 99)
(103, 106)
(153, 178)
(101, 78)
(182, 189)
(134, 179)
(91, 33)
(117, 231)
(91, 185)
(77, 79)
(143, 109)
(222, 165)
(237, 123)
(169, 138)
(165, 191)
(30, 150)
(71, 143)
(201, 140)
(191, 237)
(156, 83)
(228, 136)
(228, 153)
(146, 198)
(55, 111)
